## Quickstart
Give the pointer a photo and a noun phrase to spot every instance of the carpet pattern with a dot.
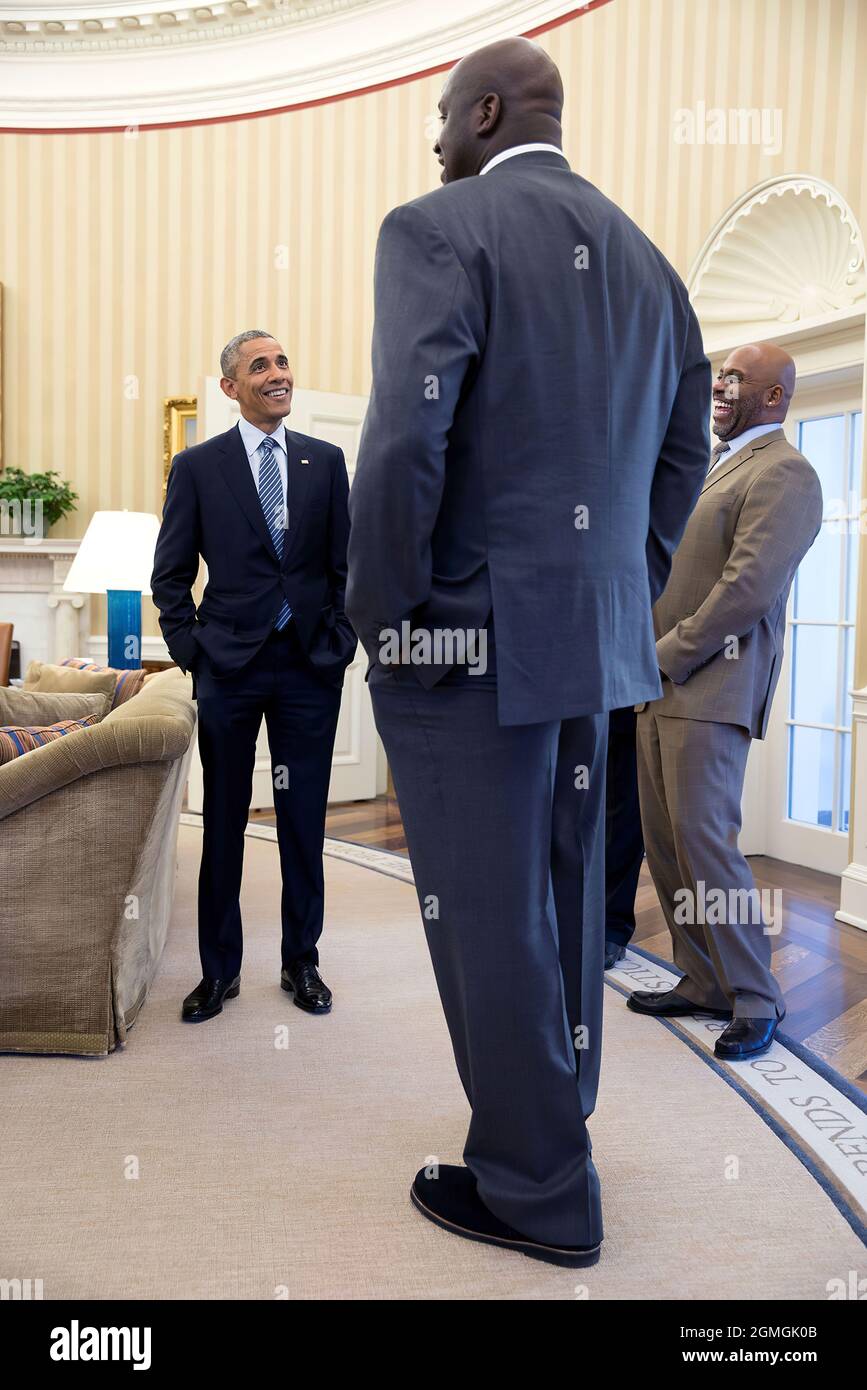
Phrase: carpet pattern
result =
(268, 1154)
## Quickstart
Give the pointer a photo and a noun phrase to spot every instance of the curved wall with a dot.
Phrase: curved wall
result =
(127, 260)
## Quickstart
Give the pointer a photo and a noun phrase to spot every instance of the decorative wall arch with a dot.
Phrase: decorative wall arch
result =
(789, 254)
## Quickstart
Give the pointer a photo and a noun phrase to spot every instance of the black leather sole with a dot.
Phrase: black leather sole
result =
(563, 1256)
(308, 1008)
(212, 1013)
(677, 1010)
(744, 1056)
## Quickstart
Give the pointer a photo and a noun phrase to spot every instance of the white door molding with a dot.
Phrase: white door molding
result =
(338, 418)
(853, 883)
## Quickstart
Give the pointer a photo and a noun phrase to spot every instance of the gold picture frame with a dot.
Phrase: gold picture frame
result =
(179, 429)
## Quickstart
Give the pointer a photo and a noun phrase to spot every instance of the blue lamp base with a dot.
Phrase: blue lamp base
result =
(124, 629)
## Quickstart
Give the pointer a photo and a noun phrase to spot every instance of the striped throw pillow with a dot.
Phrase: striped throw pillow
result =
(129, 683)
(14, 740)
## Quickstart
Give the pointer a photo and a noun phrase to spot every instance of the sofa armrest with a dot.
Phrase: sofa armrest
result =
(112, 743)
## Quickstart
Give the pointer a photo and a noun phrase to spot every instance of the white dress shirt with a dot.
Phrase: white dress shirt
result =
(251, 438)
(740, 441)
(518, 149)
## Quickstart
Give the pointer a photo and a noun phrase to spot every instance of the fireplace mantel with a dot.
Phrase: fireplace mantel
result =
(45, 545)
(49, 623)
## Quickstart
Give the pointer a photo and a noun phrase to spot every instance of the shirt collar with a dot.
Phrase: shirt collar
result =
(746, 437)
(518, 149)
(252, 436)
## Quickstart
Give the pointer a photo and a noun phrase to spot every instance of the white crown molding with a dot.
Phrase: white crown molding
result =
(788, 254)
(108, 27)
(253, 56)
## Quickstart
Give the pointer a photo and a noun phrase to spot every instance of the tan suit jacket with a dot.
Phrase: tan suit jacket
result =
(721, 620)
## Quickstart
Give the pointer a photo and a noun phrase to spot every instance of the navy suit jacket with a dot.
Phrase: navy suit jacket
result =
(212, 509)
(536, 438)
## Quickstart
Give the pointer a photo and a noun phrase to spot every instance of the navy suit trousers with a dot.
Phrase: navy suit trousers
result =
(624, 842)
(505, 828)
(300, 712)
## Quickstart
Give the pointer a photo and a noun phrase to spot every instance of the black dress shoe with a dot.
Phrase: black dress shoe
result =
(614, 952)
(452, 1202)
(746, 1037)
(667, 1003)
(311, 992)
(206, 1000)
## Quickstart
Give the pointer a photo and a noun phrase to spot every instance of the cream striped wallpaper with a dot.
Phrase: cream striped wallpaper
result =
(127, 260)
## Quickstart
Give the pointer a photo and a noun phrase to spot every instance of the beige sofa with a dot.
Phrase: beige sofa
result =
(88, 838)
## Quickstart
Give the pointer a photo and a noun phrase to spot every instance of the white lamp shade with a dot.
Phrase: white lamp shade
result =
(117, 552)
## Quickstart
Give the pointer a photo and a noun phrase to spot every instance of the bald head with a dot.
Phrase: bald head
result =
(518, 70)
(508, 93)
(753, 387)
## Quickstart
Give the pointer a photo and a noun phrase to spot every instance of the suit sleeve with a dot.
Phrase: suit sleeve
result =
(428, 333)
(779, 519)
(683, 461)
(176, 564)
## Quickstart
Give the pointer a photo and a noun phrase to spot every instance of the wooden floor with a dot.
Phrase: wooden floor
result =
(375, 823)
(821, 963)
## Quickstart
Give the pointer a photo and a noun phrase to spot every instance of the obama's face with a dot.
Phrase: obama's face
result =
(262, 384)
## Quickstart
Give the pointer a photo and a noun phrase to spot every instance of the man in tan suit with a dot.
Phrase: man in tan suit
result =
(720, 625)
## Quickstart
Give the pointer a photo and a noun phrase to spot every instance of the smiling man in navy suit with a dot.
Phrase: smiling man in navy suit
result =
(266, 509)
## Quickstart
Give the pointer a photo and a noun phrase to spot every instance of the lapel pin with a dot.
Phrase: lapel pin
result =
(305, 460)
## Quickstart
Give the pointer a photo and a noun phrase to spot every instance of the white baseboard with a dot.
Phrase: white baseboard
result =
(853, 897)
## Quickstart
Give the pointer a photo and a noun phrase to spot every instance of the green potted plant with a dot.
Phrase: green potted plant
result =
(30, 503)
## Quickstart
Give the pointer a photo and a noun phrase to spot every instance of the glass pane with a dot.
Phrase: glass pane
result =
(851, 569)
(811, 776)
(856, 438)
(848, 676)
(817, 583)
(814, 674)
(824, 443)
(856, 444)
(845, 781)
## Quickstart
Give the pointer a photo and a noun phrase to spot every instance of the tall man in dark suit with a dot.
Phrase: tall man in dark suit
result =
(267, 511)
(536, 438)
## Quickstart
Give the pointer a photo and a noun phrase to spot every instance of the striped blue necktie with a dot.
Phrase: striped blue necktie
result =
(271, 498)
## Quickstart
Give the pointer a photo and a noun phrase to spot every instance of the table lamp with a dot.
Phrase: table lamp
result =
(116, 558)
